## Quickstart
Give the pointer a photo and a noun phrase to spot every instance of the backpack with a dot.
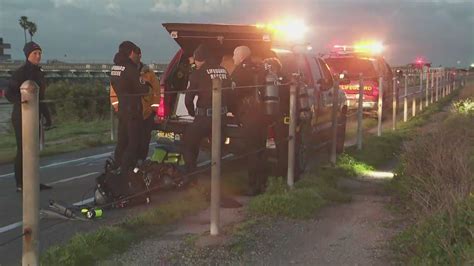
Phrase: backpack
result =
(136, 186)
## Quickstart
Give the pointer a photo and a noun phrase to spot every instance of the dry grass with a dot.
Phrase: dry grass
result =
(437, 166)
(468, 91)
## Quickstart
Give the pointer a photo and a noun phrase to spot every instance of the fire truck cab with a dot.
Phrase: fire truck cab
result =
(355, 64)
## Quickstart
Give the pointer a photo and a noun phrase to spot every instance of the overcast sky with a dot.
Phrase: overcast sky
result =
(441, 31)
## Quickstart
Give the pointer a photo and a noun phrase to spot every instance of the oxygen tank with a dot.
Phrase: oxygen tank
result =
(271, 99)
(303, 100)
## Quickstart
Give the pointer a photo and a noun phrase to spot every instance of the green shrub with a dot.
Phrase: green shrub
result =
(464, 107)
(352, 166)
(441, 239)
(309, 194)
(85, 249)
(297, 203)
(78, 101)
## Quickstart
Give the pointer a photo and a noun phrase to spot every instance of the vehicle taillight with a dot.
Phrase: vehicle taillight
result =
(160, 114)
(271, 133)
(271, 138)
(374, 91)
(161, 108)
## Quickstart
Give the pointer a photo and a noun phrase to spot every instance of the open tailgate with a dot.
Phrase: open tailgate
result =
(225, 37)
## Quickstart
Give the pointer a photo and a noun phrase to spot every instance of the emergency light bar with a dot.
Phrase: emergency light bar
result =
(370, 48)
(287, 30)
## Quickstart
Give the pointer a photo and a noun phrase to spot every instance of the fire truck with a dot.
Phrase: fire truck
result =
(362, 60)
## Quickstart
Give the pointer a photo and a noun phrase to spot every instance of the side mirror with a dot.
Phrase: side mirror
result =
(343, 79)
(324, 83)
(399, 73)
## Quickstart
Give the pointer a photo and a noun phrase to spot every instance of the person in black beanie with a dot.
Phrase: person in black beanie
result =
(28, 71)
(125, 79)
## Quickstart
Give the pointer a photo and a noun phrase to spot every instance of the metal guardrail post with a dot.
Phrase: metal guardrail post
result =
(292, 137)
(216, 154)
(441, 84)
(421, 90)
(41, 136)
(437, 86)
(30, 139)
(335, 97)
(432, 86)
(449, 83)
(453, 84)
(394, 104)
(413, 104)
(380, 107)
(360, 113)
(405, 101)
(427, 94)
(444, 84)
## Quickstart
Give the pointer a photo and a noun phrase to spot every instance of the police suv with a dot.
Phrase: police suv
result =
(315, 93)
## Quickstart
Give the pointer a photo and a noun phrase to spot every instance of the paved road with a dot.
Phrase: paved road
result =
(5, 111)
(73, 177)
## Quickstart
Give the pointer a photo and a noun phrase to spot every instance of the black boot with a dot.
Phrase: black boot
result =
(45, 187)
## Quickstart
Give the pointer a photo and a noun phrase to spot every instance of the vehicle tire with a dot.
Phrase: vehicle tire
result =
(301, 155)
(341, 130)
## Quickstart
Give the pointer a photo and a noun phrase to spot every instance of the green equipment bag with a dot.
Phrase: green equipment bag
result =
(167, 154)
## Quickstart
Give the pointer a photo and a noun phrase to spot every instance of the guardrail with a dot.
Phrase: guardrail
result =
(436, 85)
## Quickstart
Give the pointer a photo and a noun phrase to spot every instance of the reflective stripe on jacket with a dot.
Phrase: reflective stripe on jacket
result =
(149, 101)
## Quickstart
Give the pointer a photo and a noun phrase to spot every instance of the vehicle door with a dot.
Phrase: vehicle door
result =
(386, 75)
(389, 77)
(314, 88)
(326, 83)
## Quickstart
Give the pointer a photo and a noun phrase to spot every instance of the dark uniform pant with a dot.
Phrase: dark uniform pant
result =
(254, 129)
(281, 142)
(17, 127)
(146, 137)
(16, 121)
(129, 138)
(192, 137)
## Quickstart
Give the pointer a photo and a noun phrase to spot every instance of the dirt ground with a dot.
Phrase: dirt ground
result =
(356, 233)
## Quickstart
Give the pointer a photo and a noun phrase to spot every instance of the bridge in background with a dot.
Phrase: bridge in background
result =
(71, 70)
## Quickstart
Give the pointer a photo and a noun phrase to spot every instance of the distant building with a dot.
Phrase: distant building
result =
(3, 46)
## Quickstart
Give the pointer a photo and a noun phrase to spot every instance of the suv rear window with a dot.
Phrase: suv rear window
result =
(292, 63)
(354, 66)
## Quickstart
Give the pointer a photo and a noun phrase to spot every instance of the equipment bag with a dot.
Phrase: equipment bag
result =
(167, 154)
(136, 186)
